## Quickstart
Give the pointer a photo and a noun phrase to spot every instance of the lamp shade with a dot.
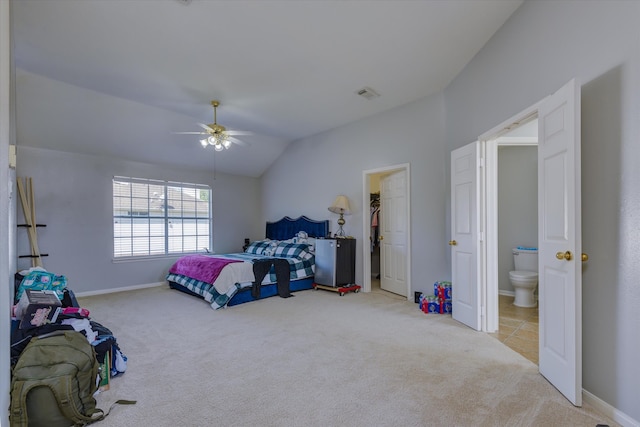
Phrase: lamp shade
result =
(340, 205)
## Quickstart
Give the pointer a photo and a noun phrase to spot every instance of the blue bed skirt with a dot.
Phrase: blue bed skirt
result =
(244, 295)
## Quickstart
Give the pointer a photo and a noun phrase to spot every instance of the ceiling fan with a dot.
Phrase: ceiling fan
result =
(217, 135)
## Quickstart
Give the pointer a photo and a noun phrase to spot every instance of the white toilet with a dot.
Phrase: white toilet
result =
(525, 277)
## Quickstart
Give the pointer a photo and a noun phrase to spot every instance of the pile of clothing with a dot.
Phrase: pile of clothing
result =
(70, 316)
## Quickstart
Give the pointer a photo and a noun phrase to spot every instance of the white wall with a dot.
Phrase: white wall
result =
(517, 206)
(542, 46)
(313, 171)
(8, 249)
(73, 197)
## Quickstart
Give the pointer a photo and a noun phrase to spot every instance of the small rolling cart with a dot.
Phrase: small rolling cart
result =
(341, 290)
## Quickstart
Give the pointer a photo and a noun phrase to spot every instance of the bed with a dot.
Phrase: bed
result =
(228, 279)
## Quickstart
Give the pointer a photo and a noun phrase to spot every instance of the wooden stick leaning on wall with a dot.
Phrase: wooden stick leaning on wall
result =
(28, 209)
(32, 208)
(32, 211)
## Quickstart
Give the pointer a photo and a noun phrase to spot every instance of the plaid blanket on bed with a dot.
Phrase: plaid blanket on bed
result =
(299, 269)
(206, 290)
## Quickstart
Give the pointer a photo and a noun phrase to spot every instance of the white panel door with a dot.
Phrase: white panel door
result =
(393, 233)
(464, 235)
(560, 243)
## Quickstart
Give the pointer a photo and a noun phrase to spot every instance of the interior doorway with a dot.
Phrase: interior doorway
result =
(474, 235)
(517, 226)
(387, 252)
(559, 245)
(374, 219)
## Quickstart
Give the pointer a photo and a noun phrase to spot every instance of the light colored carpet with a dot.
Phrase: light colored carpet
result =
(316, 359)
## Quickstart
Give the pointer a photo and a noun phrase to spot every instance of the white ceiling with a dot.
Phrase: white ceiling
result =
(116, 78)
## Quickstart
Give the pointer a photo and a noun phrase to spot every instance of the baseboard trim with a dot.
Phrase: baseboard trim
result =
(608, 410)
(122, 289)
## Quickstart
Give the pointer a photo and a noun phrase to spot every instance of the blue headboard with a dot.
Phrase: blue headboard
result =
(286, 228)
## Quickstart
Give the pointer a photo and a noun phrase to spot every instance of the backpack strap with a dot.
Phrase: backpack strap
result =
(118, 402)
(18, 405)
(101, 415)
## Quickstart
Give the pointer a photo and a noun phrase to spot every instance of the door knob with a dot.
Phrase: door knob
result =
(565, 255)
(585, 257)
(381, 238)
(452, 243)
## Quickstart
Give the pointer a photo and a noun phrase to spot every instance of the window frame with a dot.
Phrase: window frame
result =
(192, 213)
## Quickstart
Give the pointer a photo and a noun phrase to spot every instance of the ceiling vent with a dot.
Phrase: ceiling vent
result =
(368, 93)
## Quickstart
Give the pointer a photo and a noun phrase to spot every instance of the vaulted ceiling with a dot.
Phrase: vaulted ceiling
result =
(118, 78)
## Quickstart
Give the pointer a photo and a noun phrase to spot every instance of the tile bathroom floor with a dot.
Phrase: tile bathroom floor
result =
(518, 328)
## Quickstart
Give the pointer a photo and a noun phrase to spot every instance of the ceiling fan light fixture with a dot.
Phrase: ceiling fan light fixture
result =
(219, 141)
(217, 135)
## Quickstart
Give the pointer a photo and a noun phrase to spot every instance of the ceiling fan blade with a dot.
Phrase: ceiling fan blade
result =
(238, 132)
(237, 141)
(205, 127)
(189, 133)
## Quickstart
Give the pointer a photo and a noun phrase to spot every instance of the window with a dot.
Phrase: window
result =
(154, 218)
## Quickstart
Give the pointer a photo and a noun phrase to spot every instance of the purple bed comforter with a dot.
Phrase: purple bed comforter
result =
(201, 267)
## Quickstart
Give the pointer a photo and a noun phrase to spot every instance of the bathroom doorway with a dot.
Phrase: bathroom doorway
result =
(560, 254)
(517, 223)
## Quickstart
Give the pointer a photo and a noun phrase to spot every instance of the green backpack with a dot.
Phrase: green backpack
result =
(54, 381)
